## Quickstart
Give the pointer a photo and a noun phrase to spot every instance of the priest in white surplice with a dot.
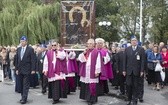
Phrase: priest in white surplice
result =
(89, 71)
(55, 68)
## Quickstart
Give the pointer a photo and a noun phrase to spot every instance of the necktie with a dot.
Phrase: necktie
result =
(134, 48)
(22, 53)
(43, 54)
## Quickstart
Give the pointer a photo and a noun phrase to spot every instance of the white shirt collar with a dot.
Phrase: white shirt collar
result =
(25, 47)
(134, 47)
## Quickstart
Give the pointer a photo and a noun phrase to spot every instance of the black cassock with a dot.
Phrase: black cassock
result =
(57, 89)
(85, 93)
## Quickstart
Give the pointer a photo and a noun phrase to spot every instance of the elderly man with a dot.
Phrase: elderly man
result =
(134, 60)
(106, 71)
(90, 68)
(161, 45)
(25, 65)
(40, 61)
(119, 66)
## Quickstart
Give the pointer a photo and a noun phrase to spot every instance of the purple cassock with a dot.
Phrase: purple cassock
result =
(72, 66)
(61, 65)
(107, 72)
(82, 71)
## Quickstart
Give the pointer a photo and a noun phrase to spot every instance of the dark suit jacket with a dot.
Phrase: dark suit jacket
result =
(40, 60)
(113, 60)
(131, 64)
(119, 61)
(28, 62)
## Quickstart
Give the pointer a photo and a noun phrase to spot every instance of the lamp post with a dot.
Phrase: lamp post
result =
(140, 34)
(104, 23)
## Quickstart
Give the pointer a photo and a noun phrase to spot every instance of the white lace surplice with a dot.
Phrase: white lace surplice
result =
(87, 78)
(71, 55)
(60, 55)
(106, 59)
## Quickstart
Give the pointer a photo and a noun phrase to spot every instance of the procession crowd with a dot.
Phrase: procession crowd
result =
(59, 71)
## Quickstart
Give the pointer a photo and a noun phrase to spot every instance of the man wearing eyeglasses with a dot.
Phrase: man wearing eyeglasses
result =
(55, 68)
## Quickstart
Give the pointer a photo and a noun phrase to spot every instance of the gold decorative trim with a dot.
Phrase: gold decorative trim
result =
(83, 15)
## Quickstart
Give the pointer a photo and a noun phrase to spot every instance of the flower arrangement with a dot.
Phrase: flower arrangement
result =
(76, 46)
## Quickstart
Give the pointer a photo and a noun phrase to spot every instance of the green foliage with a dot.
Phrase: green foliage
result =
(159, 17)
(106, 10)
(125, 15)
(40, 21)
(28, 17)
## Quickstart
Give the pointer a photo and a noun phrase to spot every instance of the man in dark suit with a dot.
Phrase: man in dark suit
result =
(134, 60)
(119, 67)
(25, 65)
(40, 60)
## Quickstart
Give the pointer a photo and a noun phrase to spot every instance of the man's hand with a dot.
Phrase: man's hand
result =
(85, 51)
(164, 62)
(33, 72)
(154, 61)
(97, 75)
(17, 72)
(142, 73)
(124, 73)
(45, 73)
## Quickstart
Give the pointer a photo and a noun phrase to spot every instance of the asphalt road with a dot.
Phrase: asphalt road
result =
(9, 97)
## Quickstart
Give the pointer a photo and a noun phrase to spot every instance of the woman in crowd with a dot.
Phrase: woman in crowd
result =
(148, 51)
(11, 58)
(164, 54)
(153, 58)
(3, 56)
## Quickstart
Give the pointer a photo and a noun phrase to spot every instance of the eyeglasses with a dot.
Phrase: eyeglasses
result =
(54, 45)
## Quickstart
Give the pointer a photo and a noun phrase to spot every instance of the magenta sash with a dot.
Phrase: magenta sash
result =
(50, 64)
(71, 82)
(92, 87)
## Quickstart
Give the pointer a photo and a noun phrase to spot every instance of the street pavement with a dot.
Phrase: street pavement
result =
(9, 97)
